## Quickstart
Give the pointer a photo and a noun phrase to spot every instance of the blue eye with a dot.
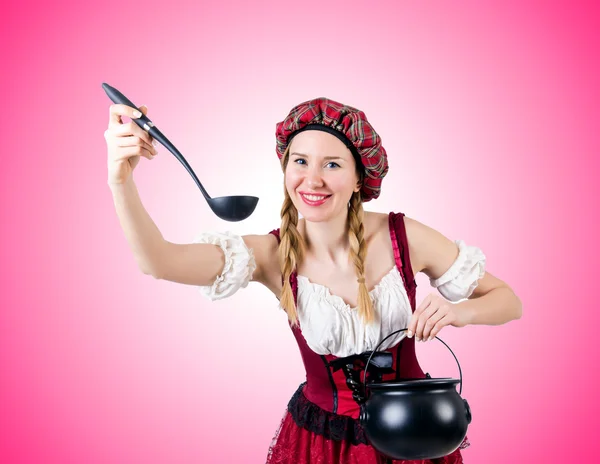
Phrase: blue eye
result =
(302, 159)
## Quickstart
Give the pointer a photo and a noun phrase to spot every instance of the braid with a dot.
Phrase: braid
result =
(358, 252)
(291, 249)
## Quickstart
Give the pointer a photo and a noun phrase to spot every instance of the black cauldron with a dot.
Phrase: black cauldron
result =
(414, 418)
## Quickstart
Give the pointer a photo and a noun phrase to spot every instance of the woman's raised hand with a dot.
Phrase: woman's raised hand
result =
(126, 142)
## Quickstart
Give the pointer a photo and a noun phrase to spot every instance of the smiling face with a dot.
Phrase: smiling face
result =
(321, 165)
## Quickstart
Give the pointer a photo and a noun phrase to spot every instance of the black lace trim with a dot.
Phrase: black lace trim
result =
(332, 426)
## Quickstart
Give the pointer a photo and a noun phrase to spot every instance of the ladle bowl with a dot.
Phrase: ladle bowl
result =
(229, 208)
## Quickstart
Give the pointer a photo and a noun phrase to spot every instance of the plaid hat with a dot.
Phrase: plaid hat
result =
(350, 126)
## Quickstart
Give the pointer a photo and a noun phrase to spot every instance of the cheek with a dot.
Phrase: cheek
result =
(341, 183)
(292, 179)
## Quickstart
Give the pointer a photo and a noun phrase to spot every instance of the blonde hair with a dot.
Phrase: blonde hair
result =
(292, 249)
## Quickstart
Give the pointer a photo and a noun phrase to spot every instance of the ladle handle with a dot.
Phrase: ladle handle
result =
(145, 123)
(397, 361)
(117, 97)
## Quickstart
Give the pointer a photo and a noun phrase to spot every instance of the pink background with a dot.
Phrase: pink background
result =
(490, 118)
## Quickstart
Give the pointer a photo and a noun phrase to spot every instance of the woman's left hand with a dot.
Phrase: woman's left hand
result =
(432, 315)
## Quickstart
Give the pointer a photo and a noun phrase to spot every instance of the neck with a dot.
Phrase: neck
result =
(327, 242)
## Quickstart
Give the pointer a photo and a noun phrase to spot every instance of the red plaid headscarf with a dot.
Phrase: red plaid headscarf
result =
(350, 126)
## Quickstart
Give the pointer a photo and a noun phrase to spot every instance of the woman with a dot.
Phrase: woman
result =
(345, 277)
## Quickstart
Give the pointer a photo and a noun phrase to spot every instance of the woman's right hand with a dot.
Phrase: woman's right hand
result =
(126, 143)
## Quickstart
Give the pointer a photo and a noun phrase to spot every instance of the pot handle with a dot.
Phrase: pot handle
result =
(401, 330)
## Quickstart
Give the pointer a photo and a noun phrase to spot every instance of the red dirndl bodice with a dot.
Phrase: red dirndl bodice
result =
(321, 423)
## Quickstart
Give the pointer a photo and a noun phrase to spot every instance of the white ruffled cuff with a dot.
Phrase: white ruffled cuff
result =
(460, 280)
(239, 264)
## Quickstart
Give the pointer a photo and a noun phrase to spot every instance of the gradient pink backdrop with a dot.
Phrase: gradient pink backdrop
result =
(490, 118)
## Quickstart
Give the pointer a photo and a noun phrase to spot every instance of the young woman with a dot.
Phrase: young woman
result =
(344, 276)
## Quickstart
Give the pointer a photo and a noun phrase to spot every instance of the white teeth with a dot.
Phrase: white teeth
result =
(313, 198)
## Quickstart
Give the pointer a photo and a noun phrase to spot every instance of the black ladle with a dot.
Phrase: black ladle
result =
(231, 208)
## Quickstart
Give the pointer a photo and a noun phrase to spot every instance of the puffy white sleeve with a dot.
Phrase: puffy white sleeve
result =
(460, 280)
(239, 264)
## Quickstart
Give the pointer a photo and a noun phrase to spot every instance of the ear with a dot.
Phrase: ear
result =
(359, 181)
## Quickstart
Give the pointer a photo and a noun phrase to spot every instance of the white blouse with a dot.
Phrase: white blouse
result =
(329, 325)
(239, 264)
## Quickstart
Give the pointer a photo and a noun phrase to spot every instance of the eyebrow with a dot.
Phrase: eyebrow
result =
(326, 157)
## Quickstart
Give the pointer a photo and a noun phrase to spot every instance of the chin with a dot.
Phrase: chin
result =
(316, 217)
(318, 214)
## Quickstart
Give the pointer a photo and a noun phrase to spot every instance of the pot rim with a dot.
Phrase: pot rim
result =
(413, 383)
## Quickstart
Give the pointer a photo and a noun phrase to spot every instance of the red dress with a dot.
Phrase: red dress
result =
(321, 425)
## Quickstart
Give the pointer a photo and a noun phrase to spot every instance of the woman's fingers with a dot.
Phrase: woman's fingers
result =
(117, 128)
(443, 322)
(135, 150)
(117, 110)
(424, 320)
(132, 128)
(126, 142)
(135, 141)
(431, 323)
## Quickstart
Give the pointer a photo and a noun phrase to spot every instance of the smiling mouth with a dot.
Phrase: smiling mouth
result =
(314, 200)
(315, 197)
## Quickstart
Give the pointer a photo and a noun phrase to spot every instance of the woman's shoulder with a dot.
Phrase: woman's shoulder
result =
(417, 234)
(264, 249)
(380, 224)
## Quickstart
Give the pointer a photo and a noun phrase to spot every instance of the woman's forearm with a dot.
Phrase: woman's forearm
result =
(143, 236)
(496, 307)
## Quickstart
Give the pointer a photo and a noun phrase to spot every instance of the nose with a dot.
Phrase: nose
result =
(314, 178)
